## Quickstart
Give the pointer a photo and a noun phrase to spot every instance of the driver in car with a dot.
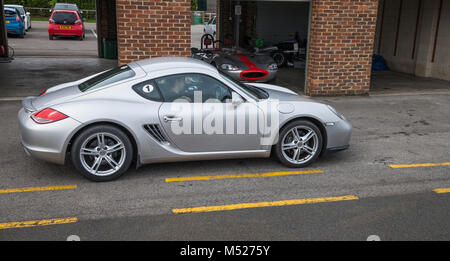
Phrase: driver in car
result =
(177, 90)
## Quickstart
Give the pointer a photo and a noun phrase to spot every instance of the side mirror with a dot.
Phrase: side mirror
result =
(50, 10)
(236, 99)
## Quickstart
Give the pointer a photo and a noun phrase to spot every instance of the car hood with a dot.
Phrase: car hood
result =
(279, 93)
(261, 61)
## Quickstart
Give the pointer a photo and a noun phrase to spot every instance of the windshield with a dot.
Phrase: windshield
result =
(66, 7)
(254, 92)
(108, 77)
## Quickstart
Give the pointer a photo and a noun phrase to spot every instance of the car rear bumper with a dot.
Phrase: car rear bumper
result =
(46, 141)
(76, 30)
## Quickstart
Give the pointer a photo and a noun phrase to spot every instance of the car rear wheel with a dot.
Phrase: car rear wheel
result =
(299, 144)
(102, 153)
(50, 37)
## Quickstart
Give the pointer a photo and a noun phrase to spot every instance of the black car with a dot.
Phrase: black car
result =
(66, 6)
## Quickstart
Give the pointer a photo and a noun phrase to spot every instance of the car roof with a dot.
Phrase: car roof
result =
(163, 63)
(64, 11)
(14, 6)
(11, 9)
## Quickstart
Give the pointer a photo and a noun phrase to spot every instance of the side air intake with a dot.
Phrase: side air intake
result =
(155, 131)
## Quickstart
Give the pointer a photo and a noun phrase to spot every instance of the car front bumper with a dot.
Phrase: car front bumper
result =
(338, 135)
(236, 75)
(46, 141)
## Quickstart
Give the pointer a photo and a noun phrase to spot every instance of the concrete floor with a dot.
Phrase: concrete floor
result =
(41, 63)
(390, 82)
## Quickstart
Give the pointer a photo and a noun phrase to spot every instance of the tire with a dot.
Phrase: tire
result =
(279, 58)
(50, 37)
(98, 164)
(307, 152)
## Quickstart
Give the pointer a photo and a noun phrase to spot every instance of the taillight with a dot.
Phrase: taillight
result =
(47, 116)
(17, 18)
(42, 93)
(78, 21)
(51, 21)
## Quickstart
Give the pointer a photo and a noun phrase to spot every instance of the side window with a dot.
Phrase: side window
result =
(193, 88)
(148, 90)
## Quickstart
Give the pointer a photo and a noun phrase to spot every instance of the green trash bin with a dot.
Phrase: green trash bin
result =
(109, 48)
(197, 18)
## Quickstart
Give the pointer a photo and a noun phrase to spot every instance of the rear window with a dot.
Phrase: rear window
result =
(108, 77)
(64, 18)
(10, 13)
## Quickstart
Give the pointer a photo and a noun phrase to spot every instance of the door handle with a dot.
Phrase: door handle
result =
(172, 118)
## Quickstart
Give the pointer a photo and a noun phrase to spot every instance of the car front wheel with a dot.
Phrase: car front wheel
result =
(102, 153)
(299, 144)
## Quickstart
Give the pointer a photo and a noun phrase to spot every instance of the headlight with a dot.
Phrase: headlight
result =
(335, 112)
(229, 67)
(272, 66)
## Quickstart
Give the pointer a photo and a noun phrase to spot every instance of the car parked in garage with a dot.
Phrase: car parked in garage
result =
(24, 14)
(14, 22)
(65, 23)
(104, 122)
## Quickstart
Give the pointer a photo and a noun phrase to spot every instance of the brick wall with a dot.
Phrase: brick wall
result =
(341, 47)
(153, 28)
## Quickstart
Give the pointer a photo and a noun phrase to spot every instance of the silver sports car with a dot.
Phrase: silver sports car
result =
(174, 109)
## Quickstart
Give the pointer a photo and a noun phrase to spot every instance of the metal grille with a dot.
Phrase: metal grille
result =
(254, 75)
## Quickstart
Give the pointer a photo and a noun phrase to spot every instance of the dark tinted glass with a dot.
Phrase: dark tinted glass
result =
(64, 18)
(108, 77)
(9, 13)
(148, 90)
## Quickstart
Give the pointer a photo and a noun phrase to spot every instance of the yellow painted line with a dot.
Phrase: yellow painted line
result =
(420, 165)
(36, 223)
(442, 190)
(251, 175)
(263, 204)
(32, 189)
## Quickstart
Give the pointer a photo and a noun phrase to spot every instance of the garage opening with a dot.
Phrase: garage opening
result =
(277, 29)
(411, 46)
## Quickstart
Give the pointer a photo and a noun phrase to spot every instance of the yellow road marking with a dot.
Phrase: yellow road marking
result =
(35, 223)
(31, 189)
(442, 190)
(251, 175)
(420, 165)
(263, 204)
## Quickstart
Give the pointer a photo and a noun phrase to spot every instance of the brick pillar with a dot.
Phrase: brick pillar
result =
(153, 28)
(341, 47)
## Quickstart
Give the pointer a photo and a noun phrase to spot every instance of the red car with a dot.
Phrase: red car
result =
(65, 23)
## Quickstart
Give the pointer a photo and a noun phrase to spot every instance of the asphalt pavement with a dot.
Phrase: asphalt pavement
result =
(393, 182)
(393, 203)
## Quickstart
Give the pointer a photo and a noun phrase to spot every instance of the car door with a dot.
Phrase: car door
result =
(198, 116)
